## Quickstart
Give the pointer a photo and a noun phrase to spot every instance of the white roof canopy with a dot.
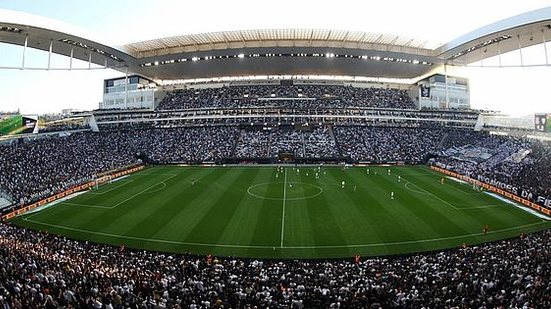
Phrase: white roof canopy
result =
(278, 38)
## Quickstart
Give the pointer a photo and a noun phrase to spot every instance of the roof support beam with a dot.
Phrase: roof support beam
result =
(24, 50)
(226, 39)
(242, 39)
(360, 41)
(545, 47)
(327, 38)
(259, 38)
(50, 53)
(71, 59)
(520, 51)
(344, 39)
(499, 53)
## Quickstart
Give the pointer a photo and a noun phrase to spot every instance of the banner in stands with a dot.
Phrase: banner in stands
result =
(425, 91)
(526, 194)
(504, 189)
(542, 122)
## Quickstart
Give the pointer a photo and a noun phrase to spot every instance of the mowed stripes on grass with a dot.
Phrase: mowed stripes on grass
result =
(265, 213)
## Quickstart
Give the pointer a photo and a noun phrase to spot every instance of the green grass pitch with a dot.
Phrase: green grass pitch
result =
(260, 212)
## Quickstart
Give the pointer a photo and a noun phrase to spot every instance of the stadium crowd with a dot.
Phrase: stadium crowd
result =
(35, 169)
(40, 270)
(388, 144)
(520, 163)
(315, 143)
(298, 96)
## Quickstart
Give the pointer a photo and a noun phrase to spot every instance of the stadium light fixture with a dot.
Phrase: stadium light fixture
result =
(194, 59)
(241, 56)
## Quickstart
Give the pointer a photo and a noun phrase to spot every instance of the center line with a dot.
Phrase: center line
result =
(283, 211)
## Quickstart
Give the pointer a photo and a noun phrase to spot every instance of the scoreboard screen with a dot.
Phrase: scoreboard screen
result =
(542, 122)
(17, 124)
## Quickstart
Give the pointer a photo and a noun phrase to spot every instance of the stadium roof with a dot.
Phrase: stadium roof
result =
(278, 51)
(279, 38)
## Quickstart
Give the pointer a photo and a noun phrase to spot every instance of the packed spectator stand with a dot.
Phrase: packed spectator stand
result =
(40, 270)
(520, 163)
(297, 96)
(35, 169)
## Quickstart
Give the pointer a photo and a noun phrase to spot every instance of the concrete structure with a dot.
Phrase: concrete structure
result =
(280, 52)
(277, 51)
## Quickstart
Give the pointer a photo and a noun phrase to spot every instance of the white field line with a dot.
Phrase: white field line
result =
(133, 196)
(124, 201)
(87, 205)
(113, 188)
(157, 190)
(483, 206)
(283, 208)
(463, 183)
(455, 207)
(519, 206)
(429, 193)
(165, 241)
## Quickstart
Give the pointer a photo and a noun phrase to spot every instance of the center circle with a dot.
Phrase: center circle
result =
(290, 190)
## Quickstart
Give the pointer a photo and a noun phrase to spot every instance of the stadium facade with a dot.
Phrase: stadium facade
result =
(281, 96)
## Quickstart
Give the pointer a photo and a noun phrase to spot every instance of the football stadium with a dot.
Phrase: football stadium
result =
(277, 168)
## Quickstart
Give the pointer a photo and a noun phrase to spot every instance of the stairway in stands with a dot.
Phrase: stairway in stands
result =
(237, 139)
(337, 145)
(443, 141)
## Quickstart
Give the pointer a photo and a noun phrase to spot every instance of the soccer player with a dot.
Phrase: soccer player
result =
(388, 172)
(354, 188)
(442, 180)
(367, 171)
(399, 178)
(392, 195)
(342, 184)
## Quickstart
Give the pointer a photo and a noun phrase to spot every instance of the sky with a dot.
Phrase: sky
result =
(514, 91)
